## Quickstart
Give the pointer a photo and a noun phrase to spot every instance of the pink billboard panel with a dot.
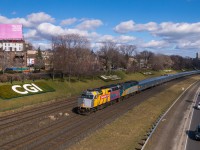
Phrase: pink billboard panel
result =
(11, 31)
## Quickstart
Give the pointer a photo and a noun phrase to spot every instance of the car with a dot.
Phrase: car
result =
(197, 133)
(198, 105)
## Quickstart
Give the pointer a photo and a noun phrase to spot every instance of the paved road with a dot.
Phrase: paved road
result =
(171, 133)
(191, 143)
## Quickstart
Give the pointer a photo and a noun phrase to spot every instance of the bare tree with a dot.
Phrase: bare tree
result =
(4, 60)
(128, 51)
(167, 62)
(72, 55)
(196, 64)
(178, 62)
(110, 56)
(144, 58)
(160, 62)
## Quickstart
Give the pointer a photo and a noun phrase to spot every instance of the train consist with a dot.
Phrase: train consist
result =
(98, 98)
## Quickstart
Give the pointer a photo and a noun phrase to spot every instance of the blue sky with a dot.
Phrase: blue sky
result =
(162, 26)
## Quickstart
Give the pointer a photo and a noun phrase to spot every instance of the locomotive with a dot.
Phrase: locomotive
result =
(92, 100)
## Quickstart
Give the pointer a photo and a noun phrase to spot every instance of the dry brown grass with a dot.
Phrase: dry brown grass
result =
(127, 131)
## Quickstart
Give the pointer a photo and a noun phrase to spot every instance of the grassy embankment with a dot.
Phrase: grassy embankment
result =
(65, 89)
(127, 131)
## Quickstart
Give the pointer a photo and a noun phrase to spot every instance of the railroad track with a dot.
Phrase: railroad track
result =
(48, 111)
(31, 111)
(94, 121)
(81, 128)
(66, 131)
(21, 125)
(39, 134)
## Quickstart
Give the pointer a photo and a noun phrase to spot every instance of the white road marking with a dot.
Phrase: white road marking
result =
(195, 99)
(165, 115)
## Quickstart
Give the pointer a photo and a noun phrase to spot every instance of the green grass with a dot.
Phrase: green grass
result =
(64, 89)
(127, 131)
(6, 91)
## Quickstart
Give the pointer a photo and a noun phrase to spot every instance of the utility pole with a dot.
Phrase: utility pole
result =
(3, 67)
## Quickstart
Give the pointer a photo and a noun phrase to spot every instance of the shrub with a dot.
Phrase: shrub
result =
(119, 73)
(3, 78)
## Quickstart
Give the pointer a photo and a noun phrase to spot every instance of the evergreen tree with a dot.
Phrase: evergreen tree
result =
(39, 62)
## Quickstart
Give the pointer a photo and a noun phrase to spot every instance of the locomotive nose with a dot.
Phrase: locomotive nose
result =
(80, 102)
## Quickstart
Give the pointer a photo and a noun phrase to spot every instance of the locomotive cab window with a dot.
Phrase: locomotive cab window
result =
(87, 96)
(115, 89)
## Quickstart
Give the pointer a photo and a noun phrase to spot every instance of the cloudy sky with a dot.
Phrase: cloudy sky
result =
(161, 26)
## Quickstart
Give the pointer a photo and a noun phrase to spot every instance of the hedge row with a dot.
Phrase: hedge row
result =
(21, 77)
(6, 91)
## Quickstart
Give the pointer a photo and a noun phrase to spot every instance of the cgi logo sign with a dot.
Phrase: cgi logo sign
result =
(26, 88)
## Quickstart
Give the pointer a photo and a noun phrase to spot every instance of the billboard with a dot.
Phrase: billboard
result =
(11, 32)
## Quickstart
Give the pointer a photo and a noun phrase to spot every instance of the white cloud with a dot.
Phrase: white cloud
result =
(42, 45)
(22, 21)
(39, 18)
(168, 30)
(96, 46)
(155, 44)
(31, 34)
(117, 39)
(125, 27)
(32, 20)
(92, 36)
(106, 38)
(150, 26)
(125, 39)
(184, 44)
(130, 26)
(50, 29)
(181, 35)
(68, 21)
(90, 24)
(169, 35)
(178, 30)
(77, 31)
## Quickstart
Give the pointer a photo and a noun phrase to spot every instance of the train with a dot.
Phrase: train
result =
(95, 99)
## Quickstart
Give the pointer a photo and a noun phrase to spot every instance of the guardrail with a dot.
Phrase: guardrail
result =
(149, 133)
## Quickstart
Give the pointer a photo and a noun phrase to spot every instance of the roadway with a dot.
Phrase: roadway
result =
(175, 132)
(191, 143)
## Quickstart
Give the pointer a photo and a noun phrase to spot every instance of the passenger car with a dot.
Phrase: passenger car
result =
(197, 133)
(92, 100)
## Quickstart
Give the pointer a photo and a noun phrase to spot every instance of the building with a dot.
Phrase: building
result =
(12, 46)
(47, 56)
(15, 52)
(198, 55)
(31, 56)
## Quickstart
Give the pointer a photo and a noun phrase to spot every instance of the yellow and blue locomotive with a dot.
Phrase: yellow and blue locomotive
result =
(95, 99)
